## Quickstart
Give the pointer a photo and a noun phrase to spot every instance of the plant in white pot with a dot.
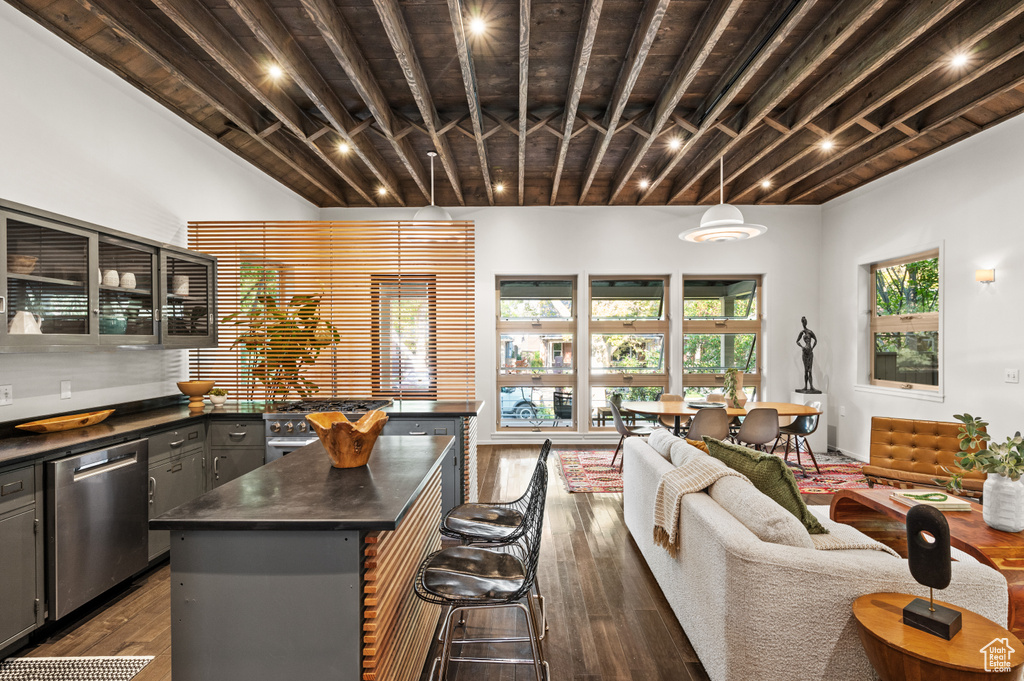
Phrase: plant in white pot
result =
(218, 396)
(735, 396)
(1003, 492)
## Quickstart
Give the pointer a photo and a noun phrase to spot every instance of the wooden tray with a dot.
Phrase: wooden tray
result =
(66, 422)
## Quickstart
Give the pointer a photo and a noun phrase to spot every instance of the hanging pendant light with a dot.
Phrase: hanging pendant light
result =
(723, 222)
(432, 213)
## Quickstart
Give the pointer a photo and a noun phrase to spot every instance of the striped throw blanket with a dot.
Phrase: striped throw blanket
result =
(697, 474)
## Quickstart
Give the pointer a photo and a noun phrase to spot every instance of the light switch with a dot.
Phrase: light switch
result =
(1012, 376)
(65, 390)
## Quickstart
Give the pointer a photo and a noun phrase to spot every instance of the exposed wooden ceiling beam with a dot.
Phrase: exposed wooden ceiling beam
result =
(709, 31)
(472, 93)
(207, 32)
(135, 25)
(821, 42)
(900, 87)
(788, 17)
(639, 47)
(393, 21)
(279, 42)
(911, 21)
(342, 41)
(524, 91)
(577, 77)
(948, 104)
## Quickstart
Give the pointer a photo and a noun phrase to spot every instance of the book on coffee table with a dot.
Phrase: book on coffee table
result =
(939, 500)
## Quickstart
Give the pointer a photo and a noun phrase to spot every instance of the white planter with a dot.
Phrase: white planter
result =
(218, 400)
(1003, 507)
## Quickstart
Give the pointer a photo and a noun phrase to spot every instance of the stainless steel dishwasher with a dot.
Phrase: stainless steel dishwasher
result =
(97, 523)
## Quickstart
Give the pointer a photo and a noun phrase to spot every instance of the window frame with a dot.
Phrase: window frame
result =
(911, 323)
(551, 380)
(709, 325)
(381, 371)
(635, 326)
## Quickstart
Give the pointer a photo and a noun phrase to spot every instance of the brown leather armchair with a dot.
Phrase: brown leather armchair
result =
(912, 453)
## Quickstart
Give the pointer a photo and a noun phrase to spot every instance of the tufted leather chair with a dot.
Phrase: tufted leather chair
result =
(911, 453)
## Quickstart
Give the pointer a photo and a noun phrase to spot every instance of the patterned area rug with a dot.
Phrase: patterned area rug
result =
(588, 470)
(120, 668)
(833, 476)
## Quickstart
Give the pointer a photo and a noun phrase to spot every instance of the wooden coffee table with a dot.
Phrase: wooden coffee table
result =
(898, 652)
(872, 512)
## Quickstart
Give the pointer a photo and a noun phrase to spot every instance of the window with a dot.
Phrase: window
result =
(536, 341)
(721, 330)
(628, 338)
(905, 322)
(403, 350)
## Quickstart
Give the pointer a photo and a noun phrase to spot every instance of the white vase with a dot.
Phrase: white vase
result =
(741, 395)
(1003, 507)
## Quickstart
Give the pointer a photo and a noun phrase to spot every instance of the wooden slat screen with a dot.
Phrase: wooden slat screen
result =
(400, 296)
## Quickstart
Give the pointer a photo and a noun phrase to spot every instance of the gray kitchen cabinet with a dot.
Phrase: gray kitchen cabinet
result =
(230, 463)
(21, 556)
(178, 480)
(451, 474)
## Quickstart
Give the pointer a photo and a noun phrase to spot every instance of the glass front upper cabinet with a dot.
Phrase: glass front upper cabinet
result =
(189, 312)
(127, 297)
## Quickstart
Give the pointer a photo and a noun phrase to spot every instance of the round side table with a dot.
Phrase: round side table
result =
(980, 650)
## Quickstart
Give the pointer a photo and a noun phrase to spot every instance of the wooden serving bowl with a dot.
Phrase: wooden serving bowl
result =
(348, 444)
(21, 264)
(59, 423)
(195, 391)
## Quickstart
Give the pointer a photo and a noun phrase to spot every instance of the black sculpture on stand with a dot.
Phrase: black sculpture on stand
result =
(929, 558)
(807, 341)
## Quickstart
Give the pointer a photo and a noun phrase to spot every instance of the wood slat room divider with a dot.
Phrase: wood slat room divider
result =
(341, 309)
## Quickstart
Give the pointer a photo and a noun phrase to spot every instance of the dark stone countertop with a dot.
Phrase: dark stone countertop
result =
(302, 491)
(21, 446)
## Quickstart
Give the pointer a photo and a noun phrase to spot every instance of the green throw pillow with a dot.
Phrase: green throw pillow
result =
(770, 474)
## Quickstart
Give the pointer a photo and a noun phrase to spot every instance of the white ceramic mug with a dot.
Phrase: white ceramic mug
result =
(127, 280)
(110, 278)
(179, 285)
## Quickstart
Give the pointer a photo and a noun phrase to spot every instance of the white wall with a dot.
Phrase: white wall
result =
(638, 240)
(968, 200)
(77, 140)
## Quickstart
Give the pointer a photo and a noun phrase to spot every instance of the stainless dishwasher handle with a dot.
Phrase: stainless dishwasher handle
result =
(417, 432)
(176, 444)
(104, 467)
(152, 490)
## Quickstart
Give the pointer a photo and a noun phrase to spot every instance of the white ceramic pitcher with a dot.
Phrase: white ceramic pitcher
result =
(24, 322)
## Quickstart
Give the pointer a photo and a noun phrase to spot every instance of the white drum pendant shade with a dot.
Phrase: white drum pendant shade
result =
(723, 222)
(432, 213)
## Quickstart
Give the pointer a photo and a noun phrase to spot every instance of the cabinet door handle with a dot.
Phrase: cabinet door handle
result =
(177, 444)
(152, 490)
(417, 432)
(3, 304)
(216, 473)
(237, 434)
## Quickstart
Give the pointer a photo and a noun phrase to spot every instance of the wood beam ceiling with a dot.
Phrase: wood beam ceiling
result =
(472, 92)
(524, 94)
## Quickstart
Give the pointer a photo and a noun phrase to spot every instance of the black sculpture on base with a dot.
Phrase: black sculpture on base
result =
(930, 565)
(807, 341)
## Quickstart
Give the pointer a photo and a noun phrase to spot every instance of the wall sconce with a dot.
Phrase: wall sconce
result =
(985, 276)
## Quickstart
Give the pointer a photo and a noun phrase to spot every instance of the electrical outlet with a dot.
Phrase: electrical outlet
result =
(6, 395)
(65, 390)
(1012, 376)
(842, 410)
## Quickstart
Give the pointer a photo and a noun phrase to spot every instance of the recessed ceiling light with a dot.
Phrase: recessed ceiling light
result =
(675, 143)
(275, 71)
(499, 187)
(644, 184)
(477, 26)
(827, 144)
(344, 148)
(766, 183)
(381, 191)
(959, 59)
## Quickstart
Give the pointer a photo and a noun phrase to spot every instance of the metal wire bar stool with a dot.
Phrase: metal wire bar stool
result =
(497, 523)
(486, 578)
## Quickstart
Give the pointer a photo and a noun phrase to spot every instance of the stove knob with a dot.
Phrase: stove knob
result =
(275, 427)
(302, 426)
(289, 427)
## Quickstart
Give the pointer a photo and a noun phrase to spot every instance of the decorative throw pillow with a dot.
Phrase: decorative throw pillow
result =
(662, 440)
(699, 444)
(770, 474)
(762, 516)
(682, 451)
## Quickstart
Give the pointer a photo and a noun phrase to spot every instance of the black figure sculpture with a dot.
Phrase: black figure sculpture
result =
(807, 341)
(929, 560)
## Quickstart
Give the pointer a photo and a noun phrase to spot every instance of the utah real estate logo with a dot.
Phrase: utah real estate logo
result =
(997, 655)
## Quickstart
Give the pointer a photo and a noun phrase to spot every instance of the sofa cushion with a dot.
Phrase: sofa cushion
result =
(771, 475)
(661, 441)
(699, 444)
(682, 451)
(762, 516)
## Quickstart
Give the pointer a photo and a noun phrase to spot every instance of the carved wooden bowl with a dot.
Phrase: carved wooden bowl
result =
(348, 444)
(195, 391)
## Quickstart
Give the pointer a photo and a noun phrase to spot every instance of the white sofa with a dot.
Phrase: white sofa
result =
(761, 611)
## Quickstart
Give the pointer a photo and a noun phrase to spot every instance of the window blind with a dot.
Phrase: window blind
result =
(341, 309)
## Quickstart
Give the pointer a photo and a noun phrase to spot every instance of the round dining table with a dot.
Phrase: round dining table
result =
(680, 409)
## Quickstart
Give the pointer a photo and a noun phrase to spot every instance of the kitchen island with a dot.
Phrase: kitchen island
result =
(302, 571)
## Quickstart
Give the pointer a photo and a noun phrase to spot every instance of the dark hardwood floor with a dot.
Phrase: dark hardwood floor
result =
(608, 619)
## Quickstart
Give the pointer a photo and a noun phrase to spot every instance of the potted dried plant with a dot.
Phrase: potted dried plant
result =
(1003, 492)
(735, 397)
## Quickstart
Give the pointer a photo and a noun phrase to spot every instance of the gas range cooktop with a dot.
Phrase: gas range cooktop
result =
(348, 406)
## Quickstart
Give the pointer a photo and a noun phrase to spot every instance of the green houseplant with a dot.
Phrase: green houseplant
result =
(218, 396)
(735, 397)
(281, 340)
(1003, 491)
